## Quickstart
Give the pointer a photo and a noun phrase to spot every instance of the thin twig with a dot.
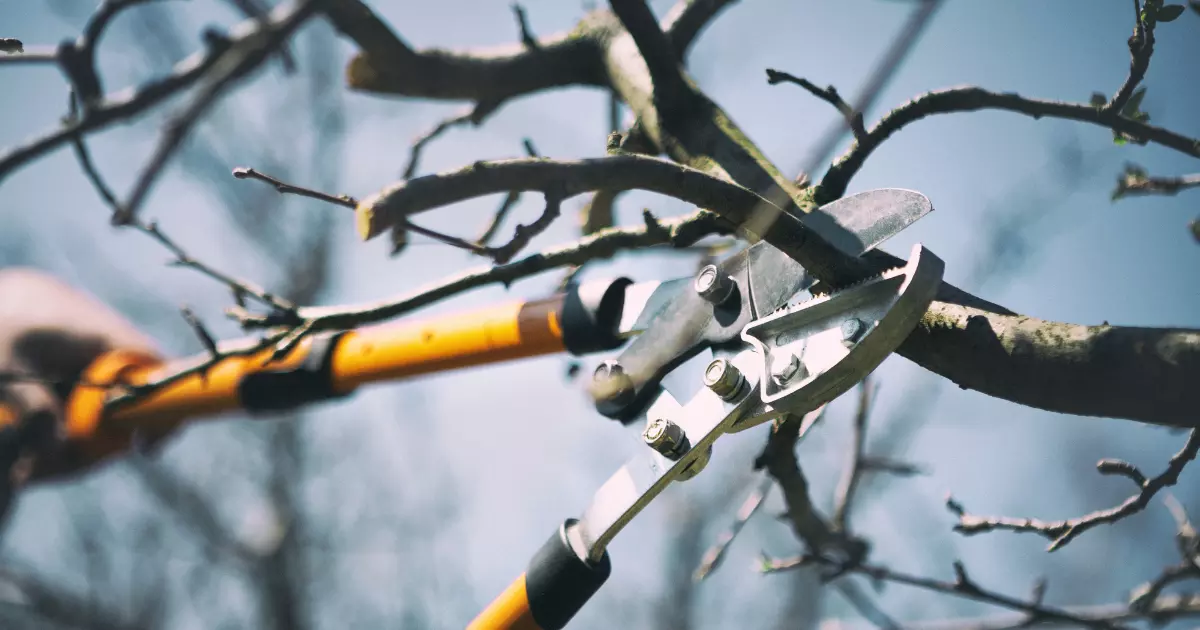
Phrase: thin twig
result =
(968, 99)
(886, 68)
(1062, 532)
(962, 586)
(473, 116)
(527, 36)
(346, 201)
(854, 469)
(510, 201)
(241, 58)
(133, 102)
(526, 233)
(282, 310)
(715, 555)
(829, 94)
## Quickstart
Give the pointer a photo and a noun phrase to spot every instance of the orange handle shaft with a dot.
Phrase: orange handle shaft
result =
(509, 611)
(489, 335)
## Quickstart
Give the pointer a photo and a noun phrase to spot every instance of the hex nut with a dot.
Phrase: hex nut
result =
(714, 286)
(723, 378)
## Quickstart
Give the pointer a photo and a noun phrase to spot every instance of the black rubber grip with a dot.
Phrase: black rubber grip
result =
(585, 330)
(309, 382)
(558, 583)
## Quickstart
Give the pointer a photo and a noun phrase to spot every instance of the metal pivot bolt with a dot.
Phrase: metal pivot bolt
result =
(785, 366)
(723, 378)
(714, 286)
(610, 382)
(666, 437)
(852, 331)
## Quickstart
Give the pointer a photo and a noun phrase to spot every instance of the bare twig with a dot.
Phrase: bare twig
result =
(1165, 609)
(285, 188)
(678, 232)
(854, 468)
(473, 116)
(868, 608)
(1062, 532)
(128, 104)
(1144, 598)
(527, 37)
(506, 206)
(887, 66)
(259, 9)
(525, 233)
(779, 459)
(241, 58)
(197, 326)
(963, 586)
(347, 201)
(282, 310)
(966, 99)
(716, 554)
(829, 94)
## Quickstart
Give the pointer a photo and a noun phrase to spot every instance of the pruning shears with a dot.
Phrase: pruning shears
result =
(766, 363)
(774, 354)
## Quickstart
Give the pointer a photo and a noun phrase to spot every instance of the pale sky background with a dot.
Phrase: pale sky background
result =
(458, 478)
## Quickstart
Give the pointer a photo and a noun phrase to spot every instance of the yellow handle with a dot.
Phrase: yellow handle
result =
(95, 429)
(509, 611)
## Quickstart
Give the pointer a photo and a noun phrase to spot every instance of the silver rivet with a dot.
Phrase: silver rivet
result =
(714, 286)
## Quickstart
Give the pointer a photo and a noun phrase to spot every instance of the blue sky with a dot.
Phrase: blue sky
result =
(517, 450)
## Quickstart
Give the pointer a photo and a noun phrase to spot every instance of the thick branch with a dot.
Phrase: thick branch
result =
(1142, 374)
(738, 205)
(386, 64)
(671, 91)
(684, 22)
(969, 99)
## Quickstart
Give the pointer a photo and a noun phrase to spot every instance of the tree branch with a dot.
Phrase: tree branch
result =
(1035, 612)
(129, 103)
(671, 92)
(685, 21)
(241, 58)
(829, 94)
(474, 116)
(386, 64)
(1143, 374)
(1060, 533)
(678, 232)
(854, 463)
(968, 99)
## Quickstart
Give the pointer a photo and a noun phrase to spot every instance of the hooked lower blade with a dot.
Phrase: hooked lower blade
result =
(854, 225)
